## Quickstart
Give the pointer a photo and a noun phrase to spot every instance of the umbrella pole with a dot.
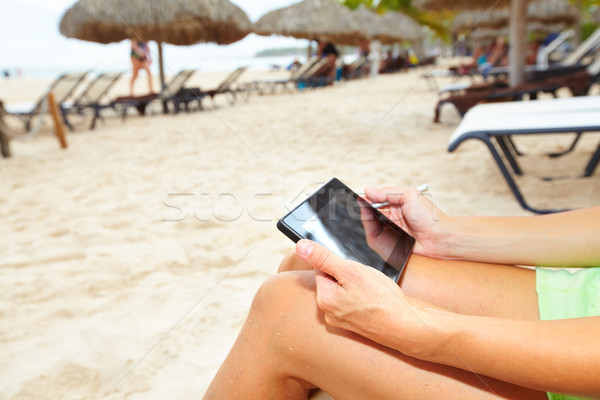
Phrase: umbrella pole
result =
(162, 74)
(517, 41)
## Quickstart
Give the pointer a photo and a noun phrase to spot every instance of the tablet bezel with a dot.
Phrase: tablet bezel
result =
(291, 223)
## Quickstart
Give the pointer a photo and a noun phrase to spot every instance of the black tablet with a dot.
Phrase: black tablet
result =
(339, 219)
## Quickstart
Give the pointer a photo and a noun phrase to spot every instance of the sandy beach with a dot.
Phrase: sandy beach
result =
(130, 259)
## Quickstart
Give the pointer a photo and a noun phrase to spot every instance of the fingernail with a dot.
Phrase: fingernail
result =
(304, 248)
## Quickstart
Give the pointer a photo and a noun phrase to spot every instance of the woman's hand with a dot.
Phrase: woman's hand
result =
(416, 214)
(363, 300)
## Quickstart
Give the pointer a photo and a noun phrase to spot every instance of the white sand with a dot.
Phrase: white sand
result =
(129, 260)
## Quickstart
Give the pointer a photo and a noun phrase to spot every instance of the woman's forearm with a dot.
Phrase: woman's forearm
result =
(570, 239)
(560, 356)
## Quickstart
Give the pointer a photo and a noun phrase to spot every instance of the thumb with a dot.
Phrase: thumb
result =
(321, 258)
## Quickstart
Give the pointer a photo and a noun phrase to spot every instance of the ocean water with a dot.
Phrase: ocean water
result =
(115, 57)
(171, 66)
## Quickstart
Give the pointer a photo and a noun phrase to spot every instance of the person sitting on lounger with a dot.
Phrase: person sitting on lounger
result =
(496, 56)
(140, 59)
(328, 51)
(463, 323)
(393, 63)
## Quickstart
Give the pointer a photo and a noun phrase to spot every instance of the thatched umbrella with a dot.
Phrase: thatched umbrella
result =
(178, 22)
(411, 30)
(435, 5)
(553, 12)
(313, 19)
(568, 16)
(517, 29)
(389, 28)
(483, 35)
(467, 20)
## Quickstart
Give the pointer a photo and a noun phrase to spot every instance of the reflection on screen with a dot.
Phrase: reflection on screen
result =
(337, 225)
(316, 228)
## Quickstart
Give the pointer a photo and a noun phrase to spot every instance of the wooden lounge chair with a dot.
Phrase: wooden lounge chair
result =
(171, 93)
(273, 85)
(91, 97)
(226, 87)
(62, 88)
(357, 69)
(8, 133)
(4, 139)
(311, 78)
(578, 82)
(496, 124)
(456, 73)
(570, 66)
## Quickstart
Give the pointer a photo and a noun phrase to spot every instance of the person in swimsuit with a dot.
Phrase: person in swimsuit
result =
(466, 320)
(140, 59)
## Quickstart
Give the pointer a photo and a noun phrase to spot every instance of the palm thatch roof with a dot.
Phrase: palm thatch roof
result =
(374, 26)
(517, 22)
(313, 19)
(486, 35)
(466, 20)
(437, 5)
(179, 22)
(410, 29)
(391, 27)
(553, 12)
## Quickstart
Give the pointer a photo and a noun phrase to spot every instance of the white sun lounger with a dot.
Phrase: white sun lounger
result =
(494, 124)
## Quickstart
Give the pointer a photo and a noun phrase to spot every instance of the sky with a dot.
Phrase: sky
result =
(32, 42)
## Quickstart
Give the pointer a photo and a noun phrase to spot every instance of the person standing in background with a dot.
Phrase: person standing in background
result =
(140, 59)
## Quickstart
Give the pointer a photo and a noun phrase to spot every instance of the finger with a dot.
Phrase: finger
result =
(322, 259)
(384, 195)
(327, 287)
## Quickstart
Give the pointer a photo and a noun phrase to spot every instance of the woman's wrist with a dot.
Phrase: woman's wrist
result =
(439, 339)
(422, 331)
(447, 238)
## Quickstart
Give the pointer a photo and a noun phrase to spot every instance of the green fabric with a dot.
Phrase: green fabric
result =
(554, 396)
(565, 294)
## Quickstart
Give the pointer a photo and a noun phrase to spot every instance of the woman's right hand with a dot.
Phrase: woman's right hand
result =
(415, 214)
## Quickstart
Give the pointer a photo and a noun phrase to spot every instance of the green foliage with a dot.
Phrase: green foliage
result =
(431, 20)
(403, 5)
(353, 4)
(587, 28)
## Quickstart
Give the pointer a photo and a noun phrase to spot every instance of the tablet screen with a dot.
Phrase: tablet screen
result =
(339, 219)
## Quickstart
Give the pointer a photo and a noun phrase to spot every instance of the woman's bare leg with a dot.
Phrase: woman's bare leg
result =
(505, 291)
(135, 71)
(293, 262)
(149, 74)
(285, 347)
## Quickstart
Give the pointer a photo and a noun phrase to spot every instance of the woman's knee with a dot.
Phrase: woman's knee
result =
(283, 292)
(293, 262)
(283, 306)
(285, 316)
